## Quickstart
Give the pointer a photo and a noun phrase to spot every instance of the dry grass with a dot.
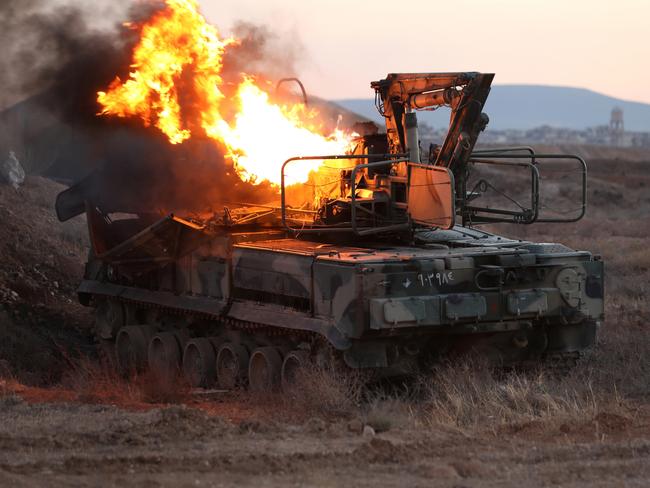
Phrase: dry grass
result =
(94, 382)
(327, 392)
(467, 396)
(617, 373)
(612, 378)
(384, 412)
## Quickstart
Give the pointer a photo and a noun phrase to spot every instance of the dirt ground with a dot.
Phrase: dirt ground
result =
(60, 425)
(41, 261)
(54, 444)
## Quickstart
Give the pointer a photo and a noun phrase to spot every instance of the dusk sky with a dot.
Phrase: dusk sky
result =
(601, 45)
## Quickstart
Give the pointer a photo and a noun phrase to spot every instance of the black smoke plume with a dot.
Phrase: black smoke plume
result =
(65, 51)
(58, 54)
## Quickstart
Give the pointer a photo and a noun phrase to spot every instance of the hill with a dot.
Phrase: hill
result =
(528, 106)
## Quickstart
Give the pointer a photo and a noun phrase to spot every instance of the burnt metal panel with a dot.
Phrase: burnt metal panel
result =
(280, 317)
(209, 306)
(210, 273)
(166, 240)
(298, 246)
(270, 272)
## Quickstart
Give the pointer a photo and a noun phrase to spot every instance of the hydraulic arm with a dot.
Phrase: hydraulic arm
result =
(398, 95)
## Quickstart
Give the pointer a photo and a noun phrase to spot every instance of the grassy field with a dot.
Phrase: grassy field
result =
(461, 424)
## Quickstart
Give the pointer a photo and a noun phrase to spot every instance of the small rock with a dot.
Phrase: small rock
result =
(56, 284)
(368, 431)
(356, 426)
(11, 171)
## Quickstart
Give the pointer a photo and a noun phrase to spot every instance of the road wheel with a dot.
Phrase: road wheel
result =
(293, 363)
(232, 365)
(131, 348)
(199, 362)
(264, 369)
(165, 355)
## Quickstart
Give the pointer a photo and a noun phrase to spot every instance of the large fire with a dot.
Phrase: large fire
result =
(176, 85)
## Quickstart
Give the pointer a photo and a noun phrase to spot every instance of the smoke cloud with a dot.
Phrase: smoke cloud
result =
(70, 49)
(263, 52)
(58, 54)
(67, 49)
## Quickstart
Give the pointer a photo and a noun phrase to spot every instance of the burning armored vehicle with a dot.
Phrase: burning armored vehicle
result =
(368, 253)
(370, 257)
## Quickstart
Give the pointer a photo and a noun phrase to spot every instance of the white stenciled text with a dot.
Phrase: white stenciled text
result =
(436, 279)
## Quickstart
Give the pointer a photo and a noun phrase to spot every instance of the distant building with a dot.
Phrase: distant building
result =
(613, 134)
(616, 126)
(616, 120)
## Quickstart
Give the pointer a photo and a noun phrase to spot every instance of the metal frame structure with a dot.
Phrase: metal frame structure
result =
(470, 214)
(396, 158)
(488, 156)
(280, 82)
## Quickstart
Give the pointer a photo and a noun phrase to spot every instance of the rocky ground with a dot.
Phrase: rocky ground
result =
(41, 261)
(64, 421)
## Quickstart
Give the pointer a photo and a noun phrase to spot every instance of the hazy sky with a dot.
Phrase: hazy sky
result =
(603, 45)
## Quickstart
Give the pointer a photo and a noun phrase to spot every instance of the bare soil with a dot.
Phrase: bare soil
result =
(64, 422)
(76, 444)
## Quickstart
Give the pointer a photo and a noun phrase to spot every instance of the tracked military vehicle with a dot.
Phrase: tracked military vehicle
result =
(383, 267)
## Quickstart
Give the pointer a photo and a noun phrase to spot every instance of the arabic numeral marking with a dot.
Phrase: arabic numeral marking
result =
(432, 278)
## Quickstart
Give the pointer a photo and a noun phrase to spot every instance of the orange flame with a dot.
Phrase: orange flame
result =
(175, 84)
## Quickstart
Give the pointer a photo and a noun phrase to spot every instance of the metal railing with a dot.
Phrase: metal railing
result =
(535, 162)
(388, 159)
